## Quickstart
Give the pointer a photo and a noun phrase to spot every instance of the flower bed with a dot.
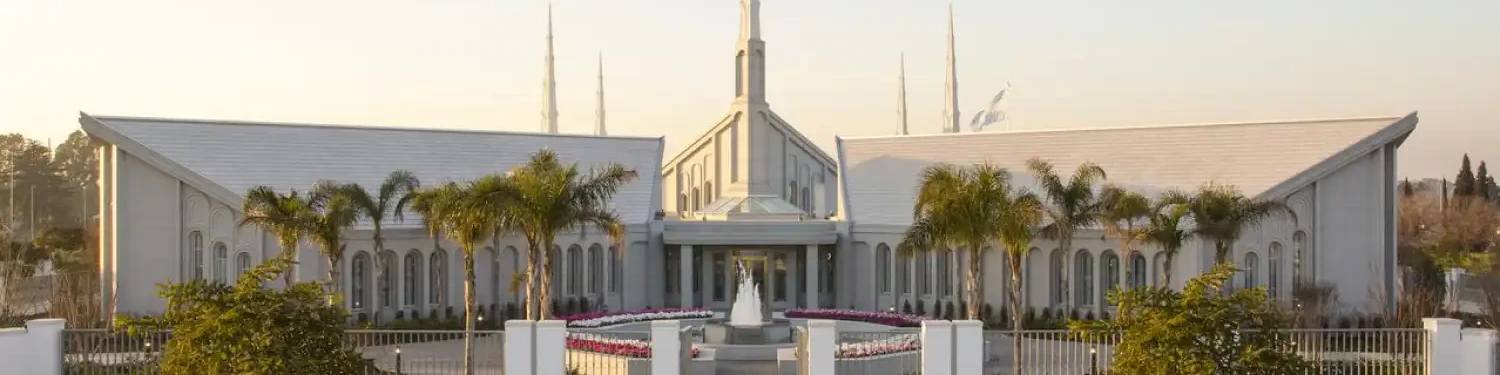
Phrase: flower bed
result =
(621, 347)
(605, 319)
(892, 345)
(894, 320)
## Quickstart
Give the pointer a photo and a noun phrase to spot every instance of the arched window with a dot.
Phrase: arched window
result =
(883, 268)
(1083, 271)
(596, 269)
(945, 274)
(793, 193)
(575, 270)
(1137, 270)
(437, 278)
(1299, 254)
(697, 202)
(806, 199)
(682, 203)
(195, 255)
(1273, 279)
(903, 276)
(1252, 266)
(1159, 277)
(556, 270)
(221, 263)
(413, 278)
(241, 263)
(1056, 270)
(1111, 278)
(616, 270)
(359, 278)
(924, 282)
(387, 278)
(708, 192)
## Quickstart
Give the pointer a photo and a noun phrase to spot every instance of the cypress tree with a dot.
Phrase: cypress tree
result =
(1494, 189)
(1482, 182)
(1463, 185)
(1406, 187)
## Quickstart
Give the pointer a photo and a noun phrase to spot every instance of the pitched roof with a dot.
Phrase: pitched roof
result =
(1265, 159)
(230, 157)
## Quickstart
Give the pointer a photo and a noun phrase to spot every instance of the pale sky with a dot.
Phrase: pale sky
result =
(477, 64)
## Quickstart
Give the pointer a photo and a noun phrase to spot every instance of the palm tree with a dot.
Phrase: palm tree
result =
(1071, 202)
(1220, 212)
(466, 218)
(547, 197)
(286, 216)
(391, 199)
(1164, 229)
(1123, 209)
(334, 212)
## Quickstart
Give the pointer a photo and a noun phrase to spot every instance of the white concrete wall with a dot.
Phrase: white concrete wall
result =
(33, 349)
(148, 238)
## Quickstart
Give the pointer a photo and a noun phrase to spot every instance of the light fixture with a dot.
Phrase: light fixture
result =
(398, 350)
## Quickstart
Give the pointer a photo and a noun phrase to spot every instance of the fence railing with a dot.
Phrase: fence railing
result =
(897, 351)
(1047, 352)
(97, 351)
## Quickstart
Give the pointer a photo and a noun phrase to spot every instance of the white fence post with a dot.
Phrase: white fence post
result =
(1443, 353)
(551, 348)
(1479, 351)
(937, 347)
(666, 347)
(968, 347)
(36, 349)
(518, 355)
(822, 342)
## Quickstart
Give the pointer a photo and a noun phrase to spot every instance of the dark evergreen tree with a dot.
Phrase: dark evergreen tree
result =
(1494, 189)
(1463, 185)
(1406, 187)
(1482, 182)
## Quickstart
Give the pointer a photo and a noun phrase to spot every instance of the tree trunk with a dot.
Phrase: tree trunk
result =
(544, 291)
(289, 250)
(1166, 270)
(469, 308)
(1221, 252)
(333, 287)
(531, 262)
(1065, 242)
(976, 259)
(1017, 309)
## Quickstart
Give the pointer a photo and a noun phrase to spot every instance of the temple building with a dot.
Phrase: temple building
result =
(814, 228)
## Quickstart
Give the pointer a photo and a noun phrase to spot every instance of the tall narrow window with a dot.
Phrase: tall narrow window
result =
(221, 263)
(720, 263)
(671, 263)
(412, 279)
(945, 274)
(359, 274)
(437, 278)
(829, 278)
(557, 259)
(1111, 273)
(1137, 270)
(596, 269)
(387, 277)
(903, 276)
(1056, 270)
(1252, 266)
(617, 270)
(1083, 271)
(1299, 252)
(924, 283)
(806, 199)
(779, 279)
(697, 201)
(242, 264)
(1273, 279)
(195, 255)
(708, 192)
(883, 267)
(793, 194)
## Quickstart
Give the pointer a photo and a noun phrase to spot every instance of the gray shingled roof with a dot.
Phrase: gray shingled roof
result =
(241, 155)
(881, 173)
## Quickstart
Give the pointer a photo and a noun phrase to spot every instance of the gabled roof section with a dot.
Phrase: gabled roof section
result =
(227, 158)
(729, 119)
(1264, 159)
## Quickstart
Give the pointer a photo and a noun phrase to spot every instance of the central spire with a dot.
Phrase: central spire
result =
(950, 109)
(599, 120)
(549, 84)
(901, 104)
(750, 56)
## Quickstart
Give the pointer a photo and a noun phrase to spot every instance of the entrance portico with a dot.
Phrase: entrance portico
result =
(790, 260)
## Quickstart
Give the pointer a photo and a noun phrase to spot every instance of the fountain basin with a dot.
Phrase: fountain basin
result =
(721, 332)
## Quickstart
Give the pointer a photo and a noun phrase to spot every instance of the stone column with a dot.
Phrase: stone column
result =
(551, 347)
(813, 261)
(969, 351)
(1444, 350)
(666, 347)
(685, 276)
(1478, 351)
(517, 356)
(937, 347)
(822, 343)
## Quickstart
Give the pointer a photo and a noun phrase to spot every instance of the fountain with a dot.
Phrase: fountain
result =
(747, 324)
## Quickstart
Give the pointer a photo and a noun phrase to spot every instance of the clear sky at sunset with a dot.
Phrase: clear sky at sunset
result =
(477, 64)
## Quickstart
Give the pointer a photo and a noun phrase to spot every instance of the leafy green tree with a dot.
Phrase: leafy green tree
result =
(288, 217)
(1198, 331)
(389, 200)
(1165, 229)
(1482, 182)
(1122, 211)
(1464, 185)
(968, 209)
(548, 197)
(334, 213)
(1071, 201)
(247, 328)
(78, 164)
(466, 218)
(1221, 213)
(35, 194)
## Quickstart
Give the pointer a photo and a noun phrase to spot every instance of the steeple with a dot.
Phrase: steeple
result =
(750, 56)
(549, 84)
(599, 114)
(950, 109)
(901, 103)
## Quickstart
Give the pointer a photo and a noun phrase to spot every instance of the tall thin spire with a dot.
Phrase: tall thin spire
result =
(599, 114)
(549, 84)
(750, 56)
(901, 103)
(950, 109)
(749, 19)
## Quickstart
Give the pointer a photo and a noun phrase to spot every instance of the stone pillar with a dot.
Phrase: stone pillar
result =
(518, 357)
(1444, 350)
(685, 276)
(45, 338)
(813, 261)
(822, 341)
(937, 347)
(666, 348)
(1479, 351)
(969, 349)
(551, 347)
